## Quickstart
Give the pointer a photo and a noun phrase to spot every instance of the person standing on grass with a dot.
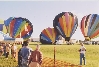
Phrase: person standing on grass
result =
(7, 50)
(10, 48)
(4, 49)
(1, 49)
(14, 50)
(35, 59)
(82, 53)
(20, 57)
(25, 53)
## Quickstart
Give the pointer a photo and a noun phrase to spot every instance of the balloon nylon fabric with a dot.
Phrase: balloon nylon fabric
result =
(90, 26)
(66, 24)
(48, 35)
(20, 28)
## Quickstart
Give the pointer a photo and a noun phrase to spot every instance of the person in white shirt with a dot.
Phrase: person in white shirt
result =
(82, 51)
(14, 50)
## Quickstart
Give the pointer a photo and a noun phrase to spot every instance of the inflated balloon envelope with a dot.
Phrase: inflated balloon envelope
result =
(65, 24)
(19, 27)
(48, 36)
(90, 26)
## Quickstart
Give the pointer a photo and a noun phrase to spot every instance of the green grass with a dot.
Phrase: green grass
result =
(69, 53)
(7, 62)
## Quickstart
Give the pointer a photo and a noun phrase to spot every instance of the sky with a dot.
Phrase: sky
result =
(42, 13)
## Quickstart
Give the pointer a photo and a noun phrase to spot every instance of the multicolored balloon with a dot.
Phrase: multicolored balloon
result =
(20, 28)
(48, 36)
(65, 24)
(90, 26)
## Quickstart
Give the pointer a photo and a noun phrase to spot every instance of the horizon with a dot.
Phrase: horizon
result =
(45, 11)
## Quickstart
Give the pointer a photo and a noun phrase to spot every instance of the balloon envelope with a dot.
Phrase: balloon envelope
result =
(90, 26)
(20, 28)
(48, 36)
(66, 24)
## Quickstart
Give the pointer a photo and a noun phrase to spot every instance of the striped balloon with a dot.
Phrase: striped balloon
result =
(48, 36)
(66, 24)
(90, 26)
(20, 28)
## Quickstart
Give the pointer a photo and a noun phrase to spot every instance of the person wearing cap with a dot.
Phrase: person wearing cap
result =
(36, 56)
(82, 51)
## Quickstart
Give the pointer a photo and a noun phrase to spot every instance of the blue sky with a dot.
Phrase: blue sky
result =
(42, 13)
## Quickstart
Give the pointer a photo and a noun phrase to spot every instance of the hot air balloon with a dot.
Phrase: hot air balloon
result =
(48, 36)
(90, 26)
(65, 24)
(20, 28)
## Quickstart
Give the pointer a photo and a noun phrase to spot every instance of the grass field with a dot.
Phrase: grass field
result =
(69, 53)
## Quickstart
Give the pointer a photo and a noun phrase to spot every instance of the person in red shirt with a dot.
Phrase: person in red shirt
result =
(36, 56)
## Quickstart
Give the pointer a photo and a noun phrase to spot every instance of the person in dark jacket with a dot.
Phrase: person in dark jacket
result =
(25, 53)
(20, 57)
